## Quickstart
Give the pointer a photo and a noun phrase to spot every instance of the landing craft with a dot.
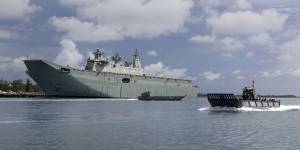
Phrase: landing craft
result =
(105, 78)
(248, 99)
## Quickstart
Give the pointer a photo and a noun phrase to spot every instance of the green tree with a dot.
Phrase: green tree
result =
(28, 86)
(18, 85)
(4, 85)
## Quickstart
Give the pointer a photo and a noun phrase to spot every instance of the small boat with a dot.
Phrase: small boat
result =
(146, 96)
(248, 99)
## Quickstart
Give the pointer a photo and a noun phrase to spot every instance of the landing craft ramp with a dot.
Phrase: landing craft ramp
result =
(223, 100)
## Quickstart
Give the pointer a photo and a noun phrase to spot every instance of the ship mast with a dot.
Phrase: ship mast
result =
(253, 87)
(136, 63)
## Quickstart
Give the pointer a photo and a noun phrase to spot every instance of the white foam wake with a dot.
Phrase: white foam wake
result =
(248, 109)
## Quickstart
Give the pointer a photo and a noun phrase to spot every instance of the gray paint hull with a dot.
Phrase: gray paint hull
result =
(79, 83)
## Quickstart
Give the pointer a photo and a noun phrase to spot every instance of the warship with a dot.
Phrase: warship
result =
(104, 78)
(248, 99)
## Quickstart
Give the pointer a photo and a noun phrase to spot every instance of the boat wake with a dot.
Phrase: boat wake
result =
(248, 109)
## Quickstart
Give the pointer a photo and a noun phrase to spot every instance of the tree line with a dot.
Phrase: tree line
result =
(18, 86)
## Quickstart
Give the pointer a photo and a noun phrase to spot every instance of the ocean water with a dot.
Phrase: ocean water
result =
(86, 124)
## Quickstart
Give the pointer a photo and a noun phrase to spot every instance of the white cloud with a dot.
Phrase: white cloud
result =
(227, 55)
(240, 77)
(11, 64)
(262, 39)
(295, 72)
(271, 74)
(5, 59)
(210, 75)
(238, 71)
(152, 53)
(289, 55)
(16, 9)
(249, 54)
(229, 43)
(247, 22)
(84, 31)
(6, 34)
(114, 20)
(211, 6)
(202, 39)
(12, 68)
(69, 55)
(159, 69)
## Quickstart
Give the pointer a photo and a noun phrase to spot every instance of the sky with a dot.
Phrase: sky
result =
(222, 45)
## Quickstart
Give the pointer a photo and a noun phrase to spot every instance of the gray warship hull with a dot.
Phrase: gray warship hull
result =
(61, 81)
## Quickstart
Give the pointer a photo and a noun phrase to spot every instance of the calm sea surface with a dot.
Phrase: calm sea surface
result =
(85, 124)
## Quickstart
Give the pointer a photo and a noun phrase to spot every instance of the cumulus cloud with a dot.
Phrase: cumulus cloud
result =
(5, 59)
(249, 54)
(114, 20)
(12, 68)
(12, 64)
(289, 55)
(69, 55)
(238, 71)
(271, 74)
(289, 52)
(227, 55)
(231, 44)
(6, 34)
(262, 39)
(15, 9)
(83, 30)
(202, 39)
(159, 69)
(237, 74)
(152, 53)
(247, 22)
(294, 72)
(240, 77)
(213, 6)
(210, 75)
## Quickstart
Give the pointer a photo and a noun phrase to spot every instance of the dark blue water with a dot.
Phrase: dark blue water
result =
(135, 125)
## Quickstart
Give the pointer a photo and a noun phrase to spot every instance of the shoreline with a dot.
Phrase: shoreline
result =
(7, 95)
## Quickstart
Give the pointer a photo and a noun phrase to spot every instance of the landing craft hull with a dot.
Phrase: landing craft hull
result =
(60, 81)
(230, 100)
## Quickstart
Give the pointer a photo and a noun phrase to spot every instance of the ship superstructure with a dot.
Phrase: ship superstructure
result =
(104, 77)
(100, 63)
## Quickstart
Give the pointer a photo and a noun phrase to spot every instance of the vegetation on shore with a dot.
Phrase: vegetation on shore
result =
(18, 86)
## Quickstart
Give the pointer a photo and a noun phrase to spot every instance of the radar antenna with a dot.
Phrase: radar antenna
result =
(253, 87)
(136, 53)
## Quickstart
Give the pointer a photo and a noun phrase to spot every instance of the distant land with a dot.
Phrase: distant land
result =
(274, 96)
(279, 96)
